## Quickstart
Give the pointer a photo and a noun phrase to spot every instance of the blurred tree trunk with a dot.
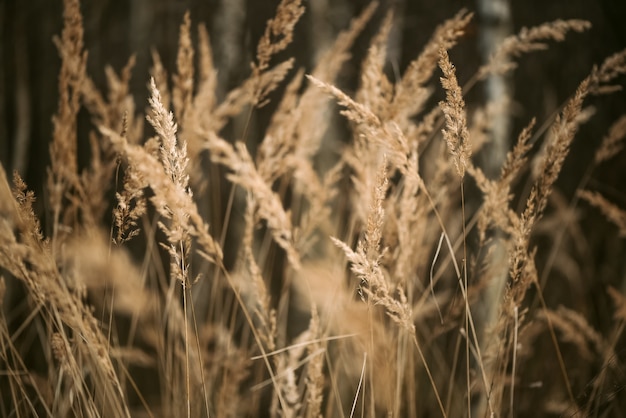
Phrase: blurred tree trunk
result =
(494, 18)
(495, 25)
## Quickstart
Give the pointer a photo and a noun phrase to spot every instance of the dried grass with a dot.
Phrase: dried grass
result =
(361, 278)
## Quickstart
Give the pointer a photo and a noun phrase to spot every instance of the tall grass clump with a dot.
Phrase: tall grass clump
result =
(183, 271)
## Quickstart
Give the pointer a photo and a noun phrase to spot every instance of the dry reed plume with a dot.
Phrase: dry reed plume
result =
(363, 280)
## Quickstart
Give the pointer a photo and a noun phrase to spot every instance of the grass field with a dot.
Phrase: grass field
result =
(376, 270)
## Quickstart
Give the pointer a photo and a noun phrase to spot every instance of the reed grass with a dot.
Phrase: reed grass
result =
(393, 278)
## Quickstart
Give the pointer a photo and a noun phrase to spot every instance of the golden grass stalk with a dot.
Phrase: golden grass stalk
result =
(315, 368)
(382, 335)
(30, 259)
(265, 201)
(612, 212)
(411, 92)
(172, 201)
(182, 90)
(365, 261)
(528, 40)
(456, 133)
(613, 141)
(63, 171)
(496, 212)
(278, 33)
